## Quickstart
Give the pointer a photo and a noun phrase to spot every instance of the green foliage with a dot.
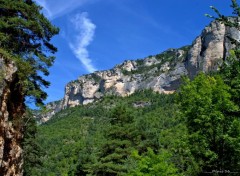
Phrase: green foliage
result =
(230, 70)
(151, 164)
(140, 62)
(231, 22)
(62, 142)
(175, 140)
(25, 36)
(1, 75)
(31, 148)
(99, 138)
(213, 130)
(119, 142)
(96, 78)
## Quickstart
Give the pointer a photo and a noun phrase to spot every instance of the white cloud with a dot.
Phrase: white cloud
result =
(54, 9)
(85, 32)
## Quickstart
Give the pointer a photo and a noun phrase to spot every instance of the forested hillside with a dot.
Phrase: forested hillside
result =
(145, 134)
(104, 138)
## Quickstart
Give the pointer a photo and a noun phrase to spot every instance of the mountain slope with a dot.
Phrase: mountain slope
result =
(161, 72)
(73, 139)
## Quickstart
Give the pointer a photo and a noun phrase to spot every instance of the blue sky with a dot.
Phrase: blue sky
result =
(98, 34)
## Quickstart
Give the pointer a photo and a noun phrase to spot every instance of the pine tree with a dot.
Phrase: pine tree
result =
(31, 148)
(25, 36)
(119, 144)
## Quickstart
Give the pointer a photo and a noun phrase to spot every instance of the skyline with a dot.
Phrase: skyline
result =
(98, 34)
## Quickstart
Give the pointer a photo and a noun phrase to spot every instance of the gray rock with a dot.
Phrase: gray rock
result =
(210, 48)
(160, 73)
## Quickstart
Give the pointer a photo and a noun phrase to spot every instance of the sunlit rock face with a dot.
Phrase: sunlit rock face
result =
(210, 48)
(11, 113)
(160, 73)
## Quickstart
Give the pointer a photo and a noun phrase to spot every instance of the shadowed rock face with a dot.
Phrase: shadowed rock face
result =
(11, 112)
(160, 73)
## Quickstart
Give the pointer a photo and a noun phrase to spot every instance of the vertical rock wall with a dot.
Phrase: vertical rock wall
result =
(11, 112)
(210, 48)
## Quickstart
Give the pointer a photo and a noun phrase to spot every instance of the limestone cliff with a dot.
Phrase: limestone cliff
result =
(11, 111)
(210, 48)
(51, 109)
(160, 73)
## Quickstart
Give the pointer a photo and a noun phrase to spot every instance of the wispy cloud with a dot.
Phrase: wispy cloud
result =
(85, 32)
(46, 9)
(54, 9)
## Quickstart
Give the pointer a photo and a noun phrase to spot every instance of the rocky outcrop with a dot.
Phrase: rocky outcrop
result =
(210, 48)
(45, 114)
(11, 111)
(160, 73)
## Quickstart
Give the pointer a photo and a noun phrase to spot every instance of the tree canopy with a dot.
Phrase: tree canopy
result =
(213, 129)
(25, 35)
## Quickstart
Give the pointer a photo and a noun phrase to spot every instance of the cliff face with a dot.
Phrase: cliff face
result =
(51, 109)
(210, 48)
(11, 112)
(160, 73)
